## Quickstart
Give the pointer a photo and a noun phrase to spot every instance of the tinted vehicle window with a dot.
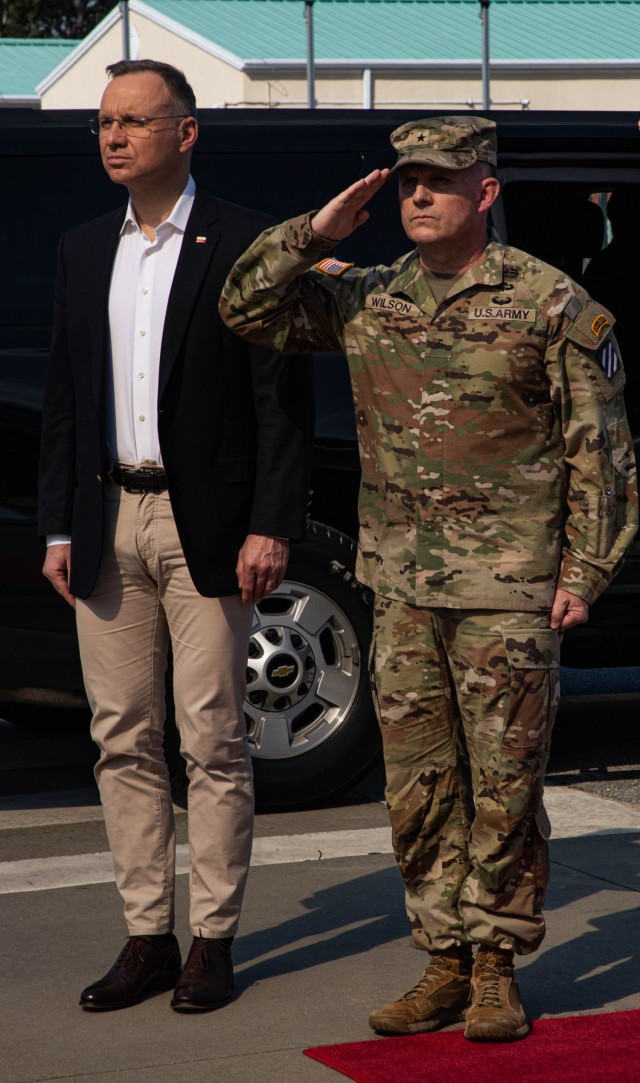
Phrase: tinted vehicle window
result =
(49, 194)
(63, 190)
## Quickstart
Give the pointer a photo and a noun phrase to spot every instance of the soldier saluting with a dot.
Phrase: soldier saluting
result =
(498, 498)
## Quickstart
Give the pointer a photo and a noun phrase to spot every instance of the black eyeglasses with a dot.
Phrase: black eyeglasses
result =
(136, 126)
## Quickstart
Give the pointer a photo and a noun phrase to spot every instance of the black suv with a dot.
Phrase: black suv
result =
(312, 733)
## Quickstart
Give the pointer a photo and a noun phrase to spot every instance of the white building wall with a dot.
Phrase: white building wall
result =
(537, 90)
(81, 86)
(218, 83)
(582, 90)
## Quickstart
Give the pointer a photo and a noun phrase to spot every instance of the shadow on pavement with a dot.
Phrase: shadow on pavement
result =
(590, 972)
(351, 918)
(590, 962)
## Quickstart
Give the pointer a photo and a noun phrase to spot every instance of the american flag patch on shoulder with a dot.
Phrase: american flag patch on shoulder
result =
(608, 359)
(331, 266)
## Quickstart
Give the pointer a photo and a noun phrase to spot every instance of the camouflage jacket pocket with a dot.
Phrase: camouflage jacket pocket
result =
(601, 516)
(533, 655)
(532, 648)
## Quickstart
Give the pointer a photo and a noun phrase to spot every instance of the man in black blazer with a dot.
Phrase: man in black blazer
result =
(174, 471)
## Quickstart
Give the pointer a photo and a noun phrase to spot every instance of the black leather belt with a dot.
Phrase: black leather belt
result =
(139, 479)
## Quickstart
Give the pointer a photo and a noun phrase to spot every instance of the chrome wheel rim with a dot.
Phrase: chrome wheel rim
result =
(303, 671)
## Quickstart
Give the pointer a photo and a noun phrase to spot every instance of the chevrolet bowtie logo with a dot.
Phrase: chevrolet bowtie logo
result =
(283, 671)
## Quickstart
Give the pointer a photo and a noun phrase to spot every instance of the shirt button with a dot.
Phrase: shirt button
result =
(143, 333)
(141, 375)
(140, 417)
(145, 290)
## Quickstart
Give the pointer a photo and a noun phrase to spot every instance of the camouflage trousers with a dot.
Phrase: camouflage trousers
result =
(466, 702)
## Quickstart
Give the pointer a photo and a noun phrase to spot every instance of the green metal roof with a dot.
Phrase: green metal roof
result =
(413, 29)
(24, 62)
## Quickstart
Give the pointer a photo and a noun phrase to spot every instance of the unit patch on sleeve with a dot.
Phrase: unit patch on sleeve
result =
(599, 324)
(609, 359)
(333, 267)
(591, 327)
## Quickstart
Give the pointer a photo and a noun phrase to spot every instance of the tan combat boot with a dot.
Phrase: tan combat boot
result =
(438, 998)
(495, 1013)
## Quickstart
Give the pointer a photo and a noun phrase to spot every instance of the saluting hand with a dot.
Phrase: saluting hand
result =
(346, 212)
(262, 562)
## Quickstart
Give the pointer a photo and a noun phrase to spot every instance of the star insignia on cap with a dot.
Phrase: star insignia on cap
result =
(421, 137)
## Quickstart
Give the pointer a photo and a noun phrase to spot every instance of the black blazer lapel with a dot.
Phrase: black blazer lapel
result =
(104, 244)
(198, 246)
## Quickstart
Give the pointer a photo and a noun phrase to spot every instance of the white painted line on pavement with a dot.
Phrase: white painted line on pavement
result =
(45, 873)
(573, 814)
(321, 845)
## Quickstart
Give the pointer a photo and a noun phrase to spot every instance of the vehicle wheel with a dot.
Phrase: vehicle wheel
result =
(311, 723)
(310, 719)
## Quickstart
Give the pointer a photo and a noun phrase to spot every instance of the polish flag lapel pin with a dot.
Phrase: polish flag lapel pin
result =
(201, 240)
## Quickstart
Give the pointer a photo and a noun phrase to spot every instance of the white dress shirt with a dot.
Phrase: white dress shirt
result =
(142, 276)
(141, 280)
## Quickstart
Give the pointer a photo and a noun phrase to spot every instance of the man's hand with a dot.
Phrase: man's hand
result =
(57, 568)
(262, 562)
(342, 215)
(568, 610)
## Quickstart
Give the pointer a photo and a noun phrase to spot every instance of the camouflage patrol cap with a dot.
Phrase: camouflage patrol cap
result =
(448, 142)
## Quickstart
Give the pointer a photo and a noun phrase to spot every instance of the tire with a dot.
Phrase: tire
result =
(310, 719)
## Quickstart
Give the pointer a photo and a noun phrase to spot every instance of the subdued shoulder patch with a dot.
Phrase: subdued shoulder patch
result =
(609, 359)
(592, 326)
(603, 366)
(599, 324)
(333, 267)
(573, 308)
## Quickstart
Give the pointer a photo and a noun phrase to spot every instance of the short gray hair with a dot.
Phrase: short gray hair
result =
(183, 100)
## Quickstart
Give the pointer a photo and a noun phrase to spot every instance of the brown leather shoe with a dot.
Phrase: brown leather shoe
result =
(207, 979)
(439, 998)
(495, 1013)
(146, 965)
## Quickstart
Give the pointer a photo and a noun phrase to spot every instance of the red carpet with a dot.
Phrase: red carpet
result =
(602, 1048)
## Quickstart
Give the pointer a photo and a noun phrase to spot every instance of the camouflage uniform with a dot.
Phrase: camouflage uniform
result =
(467, 702)
(497, 466)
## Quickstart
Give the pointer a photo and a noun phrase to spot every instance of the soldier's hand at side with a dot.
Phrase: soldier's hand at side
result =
(568, 610)
(346, 212)
(262, 562)
(57, 569)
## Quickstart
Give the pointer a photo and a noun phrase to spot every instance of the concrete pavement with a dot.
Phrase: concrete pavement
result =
(323, 940)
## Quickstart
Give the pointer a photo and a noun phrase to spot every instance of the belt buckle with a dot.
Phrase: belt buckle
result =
(129, 488)
(150, 474)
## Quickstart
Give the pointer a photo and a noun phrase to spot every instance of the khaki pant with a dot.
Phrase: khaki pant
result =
(143, 599)
(467, 702)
